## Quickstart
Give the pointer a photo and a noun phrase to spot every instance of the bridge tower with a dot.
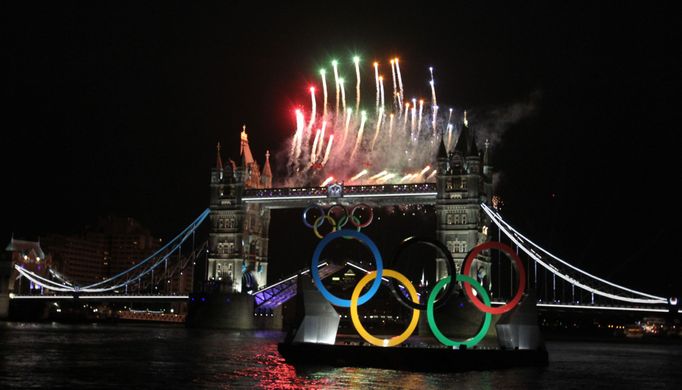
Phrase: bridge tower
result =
(463, 182)
(238, 237)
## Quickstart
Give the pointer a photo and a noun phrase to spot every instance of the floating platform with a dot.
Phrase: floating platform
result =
(425, 359)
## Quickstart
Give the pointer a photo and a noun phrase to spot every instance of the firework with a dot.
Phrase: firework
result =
(333, 143)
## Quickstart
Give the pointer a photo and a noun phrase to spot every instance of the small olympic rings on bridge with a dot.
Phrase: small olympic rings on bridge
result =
(466, 270)
(331, 216)
(395, 340)
(449, 262)
(316, 260)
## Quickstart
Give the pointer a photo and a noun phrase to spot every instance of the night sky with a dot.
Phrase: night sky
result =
(116, 109)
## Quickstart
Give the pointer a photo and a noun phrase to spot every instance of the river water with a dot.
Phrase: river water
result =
(145, 356)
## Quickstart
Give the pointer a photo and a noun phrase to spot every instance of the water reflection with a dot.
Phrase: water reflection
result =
(125, 356)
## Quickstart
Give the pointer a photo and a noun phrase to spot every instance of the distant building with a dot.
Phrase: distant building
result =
(114, 244)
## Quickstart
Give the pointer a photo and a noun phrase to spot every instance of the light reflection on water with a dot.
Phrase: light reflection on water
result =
(116, 356)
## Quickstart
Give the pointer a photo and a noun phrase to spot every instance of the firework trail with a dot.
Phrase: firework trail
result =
(343, 95)
(381, 87)
(356, 61)
(414, 116)
(312, 153)
(359, 175)
(433, 88)
(396, 103)
(335, 65)
(400, 82)
(378, 129)
(296, 142)
(434, 115)
(329, 148)
(421, 110)
(376, 78)
(363, 119)
(324, 90)
(390, 127)
(312, 109)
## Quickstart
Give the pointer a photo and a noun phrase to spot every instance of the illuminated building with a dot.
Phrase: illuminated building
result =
(238, 240)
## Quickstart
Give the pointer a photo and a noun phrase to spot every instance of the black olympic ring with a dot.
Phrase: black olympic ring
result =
(449, 262)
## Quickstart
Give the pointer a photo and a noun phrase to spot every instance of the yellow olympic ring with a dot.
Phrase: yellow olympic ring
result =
(395, 340)
(322, 219)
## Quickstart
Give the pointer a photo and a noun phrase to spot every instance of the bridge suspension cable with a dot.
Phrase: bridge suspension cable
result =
(117, 281)
(522, 242)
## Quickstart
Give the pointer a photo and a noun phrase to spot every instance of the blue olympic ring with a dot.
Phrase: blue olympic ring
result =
(305, 214)
(316, 260)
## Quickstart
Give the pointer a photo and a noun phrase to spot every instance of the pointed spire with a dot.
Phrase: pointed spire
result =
(244, 149)
(466, 142)
(266, 168)
(219, 159)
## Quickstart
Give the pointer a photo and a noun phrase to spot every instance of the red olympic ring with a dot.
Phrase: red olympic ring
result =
(466, 269)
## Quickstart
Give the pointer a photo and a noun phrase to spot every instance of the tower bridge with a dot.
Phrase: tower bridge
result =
(236, 252)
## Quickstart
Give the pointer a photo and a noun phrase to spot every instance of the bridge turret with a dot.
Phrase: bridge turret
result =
(459, 218)
(266, 177)
(238, 240)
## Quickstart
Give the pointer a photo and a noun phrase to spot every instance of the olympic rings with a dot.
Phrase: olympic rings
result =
(305, 214)
(445, 285)
(395, 340)
(432, 321)
(466, 269)
(331, 217)
(316, 260)
(449, 262)
(352, 214)
(319, 221)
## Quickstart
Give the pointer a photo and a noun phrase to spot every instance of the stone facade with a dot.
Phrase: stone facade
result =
(463, 182)
(238, 238)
